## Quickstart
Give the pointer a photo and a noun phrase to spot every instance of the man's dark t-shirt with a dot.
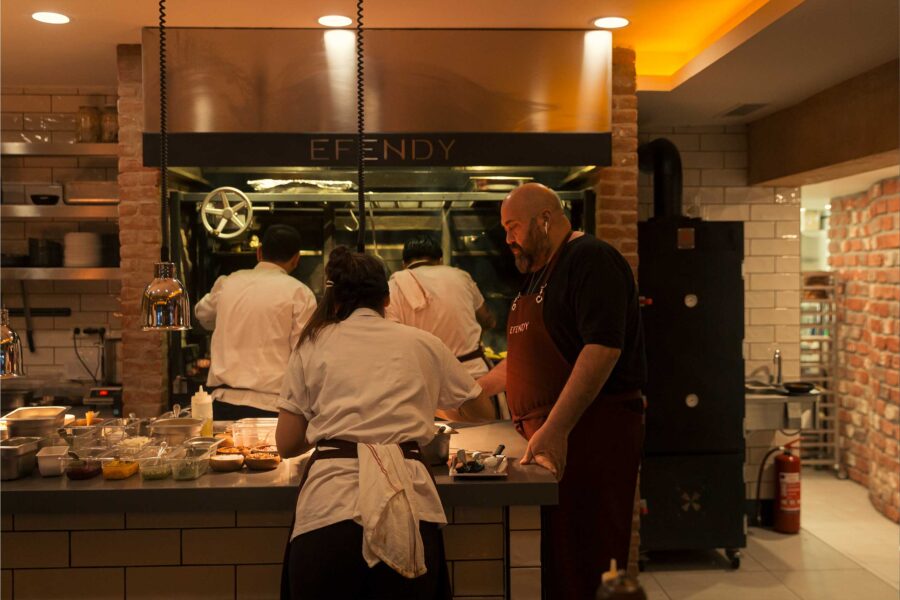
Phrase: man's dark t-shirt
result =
(591, 298)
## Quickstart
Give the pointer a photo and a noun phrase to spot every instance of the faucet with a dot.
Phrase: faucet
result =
(776, 361)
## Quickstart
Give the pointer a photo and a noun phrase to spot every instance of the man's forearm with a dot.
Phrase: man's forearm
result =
(591, 370)
(494, 381)
(476, 410)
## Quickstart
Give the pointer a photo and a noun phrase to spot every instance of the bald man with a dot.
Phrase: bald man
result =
(573, 375)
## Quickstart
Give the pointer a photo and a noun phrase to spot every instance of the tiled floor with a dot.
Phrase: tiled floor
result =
(846, 550)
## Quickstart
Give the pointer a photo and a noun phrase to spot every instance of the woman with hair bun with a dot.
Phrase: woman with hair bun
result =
(363, 391)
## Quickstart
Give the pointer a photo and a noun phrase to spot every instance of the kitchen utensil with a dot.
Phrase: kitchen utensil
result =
(44, 253)
(252, 432)
(88, 124)
(226, 462)
(38, 421)
(798, 387)
(485, 470)
(13, 398)
(437, 451)
(29, 324)
(109, 124)
(176, 430)
(14, 260)
(43, 194)
(82, 249)
(48, 461)
(92, 192)
(41, 312)
(18, 457)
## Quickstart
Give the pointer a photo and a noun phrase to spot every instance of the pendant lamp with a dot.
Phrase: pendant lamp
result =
(10, 350)
(165, 305)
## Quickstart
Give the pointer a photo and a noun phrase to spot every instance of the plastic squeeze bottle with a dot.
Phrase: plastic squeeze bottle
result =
(202, 408)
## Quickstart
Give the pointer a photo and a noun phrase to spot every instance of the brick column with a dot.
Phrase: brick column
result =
(616, 187)
(865, 252)
(140, 225)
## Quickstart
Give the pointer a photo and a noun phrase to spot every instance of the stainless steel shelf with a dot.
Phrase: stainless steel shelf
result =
(60, 273)
(44, 149)
(60, 211)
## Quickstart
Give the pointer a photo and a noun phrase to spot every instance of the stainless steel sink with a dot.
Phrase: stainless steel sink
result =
(754, 386)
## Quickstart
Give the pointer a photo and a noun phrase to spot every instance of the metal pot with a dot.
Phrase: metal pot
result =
(10, 399)
(437, 451)
(175, 431)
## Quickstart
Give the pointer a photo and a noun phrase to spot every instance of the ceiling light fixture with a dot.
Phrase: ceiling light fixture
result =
(611, 22)
(50, 17)
(335, 21)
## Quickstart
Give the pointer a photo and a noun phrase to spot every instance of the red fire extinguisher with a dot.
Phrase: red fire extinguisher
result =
(787, 491)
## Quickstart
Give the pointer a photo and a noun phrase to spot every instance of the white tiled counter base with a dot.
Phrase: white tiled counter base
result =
(225, 554)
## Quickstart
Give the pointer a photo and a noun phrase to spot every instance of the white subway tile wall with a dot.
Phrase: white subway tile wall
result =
(49, 114)
(715, 179)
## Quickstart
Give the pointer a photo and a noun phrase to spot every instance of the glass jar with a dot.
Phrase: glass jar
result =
(109, 124)
(88, 124)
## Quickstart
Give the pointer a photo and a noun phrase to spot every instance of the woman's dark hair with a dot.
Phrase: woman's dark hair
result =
(353, 280)
(422, 246)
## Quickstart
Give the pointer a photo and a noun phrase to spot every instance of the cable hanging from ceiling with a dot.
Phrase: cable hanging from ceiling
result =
(165, 305)
(360, 129)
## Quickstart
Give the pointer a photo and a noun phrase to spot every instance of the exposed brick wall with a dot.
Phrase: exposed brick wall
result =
(865, 252)
(616, 185)
(140, 226)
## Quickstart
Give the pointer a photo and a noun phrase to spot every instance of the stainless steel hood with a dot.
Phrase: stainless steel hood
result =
(286, 97)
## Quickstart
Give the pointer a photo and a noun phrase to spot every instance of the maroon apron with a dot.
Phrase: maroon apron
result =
(592, 522)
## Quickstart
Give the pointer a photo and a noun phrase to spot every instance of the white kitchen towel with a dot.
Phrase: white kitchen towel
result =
(417, 296)
(388, 517)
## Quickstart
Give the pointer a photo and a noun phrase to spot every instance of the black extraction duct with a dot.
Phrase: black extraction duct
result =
(661, 157)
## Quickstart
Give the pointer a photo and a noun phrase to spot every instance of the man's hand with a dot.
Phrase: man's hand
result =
(547, 448)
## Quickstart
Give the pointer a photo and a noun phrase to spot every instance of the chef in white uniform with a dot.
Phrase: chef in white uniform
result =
(364, 391)
(441, 300)
(256, 316)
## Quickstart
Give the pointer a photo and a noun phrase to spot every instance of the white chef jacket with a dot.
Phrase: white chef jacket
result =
(450, 312)
(256, 316)
(369, 380)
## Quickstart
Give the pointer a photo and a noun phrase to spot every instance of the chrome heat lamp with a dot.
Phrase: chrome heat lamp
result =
(165, 305)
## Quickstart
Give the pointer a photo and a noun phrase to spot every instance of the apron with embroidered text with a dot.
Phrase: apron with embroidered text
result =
(592, 522)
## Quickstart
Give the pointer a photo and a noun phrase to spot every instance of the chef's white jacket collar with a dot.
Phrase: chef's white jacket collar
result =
(364, 312)
(264, 264)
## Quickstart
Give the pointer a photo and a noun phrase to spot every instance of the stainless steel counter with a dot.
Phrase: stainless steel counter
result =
(273, 490)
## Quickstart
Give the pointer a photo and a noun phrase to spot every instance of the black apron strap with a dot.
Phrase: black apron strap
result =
(477, 353)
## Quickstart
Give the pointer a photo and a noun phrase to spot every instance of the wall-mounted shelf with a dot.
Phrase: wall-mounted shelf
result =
(63, 211)
(60, 273)
(50, 149)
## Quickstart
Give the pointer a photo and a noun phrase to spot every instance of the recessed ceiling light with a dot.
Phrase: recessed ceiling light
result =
(335, 21)
(611, 22)
(50, 17)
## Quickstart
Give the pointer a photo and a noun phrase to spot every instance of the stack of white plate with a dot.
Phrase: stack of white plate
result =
(82, 250)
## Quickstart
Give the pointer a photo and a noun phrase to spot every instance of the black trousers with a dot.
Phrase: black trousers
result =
(327, 564)
(223, 411)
